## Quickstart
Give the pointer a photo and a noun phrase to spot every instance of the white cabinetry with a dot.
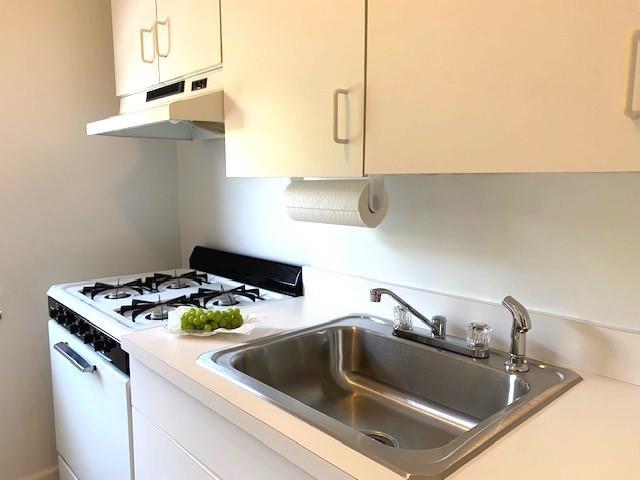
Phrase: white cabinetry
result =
(499, 86)
(156, 41)
(294, 87)
(207, 440)
(158, 457)
(451, 87)
(188, 36)
(134, 54)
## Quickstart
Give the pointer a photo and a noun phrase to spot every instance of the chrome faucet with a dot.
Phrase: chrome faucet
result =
(521, 325)
(437, 324)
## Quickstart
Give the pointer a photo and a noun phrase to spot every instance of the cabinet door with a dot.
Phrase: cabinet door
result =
(158, 457)
(294, 87)
(499, 86)
(135, 60)
(188, 36)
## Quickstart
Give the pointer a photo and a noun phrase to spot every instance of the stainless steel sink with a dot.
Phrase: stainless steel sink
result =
(420, 411)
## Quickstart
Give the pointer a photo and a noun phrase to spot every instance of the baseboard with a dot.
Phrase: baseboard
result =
(50, 473)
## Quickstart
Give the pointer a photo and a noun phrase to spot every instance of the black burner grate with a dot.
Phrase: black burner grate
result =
(162, 281)
(119, 290)
(224, 297)
(154, 310)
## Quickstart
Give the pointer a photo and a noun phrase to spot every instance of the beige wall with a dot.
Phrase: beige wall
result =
(566, 244)
(71, 207)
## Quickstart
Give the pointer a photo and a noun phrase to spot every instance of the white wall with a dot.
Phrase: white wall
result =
(566, 244)
(71, 207)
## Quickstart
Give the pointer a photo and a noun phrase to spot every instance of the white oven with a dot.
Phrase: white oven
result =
(91, 399)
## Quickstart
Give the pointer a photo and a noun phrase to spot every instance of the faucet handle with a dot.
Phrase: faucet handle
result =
(440, 324)
(478, 335)
(402, 318)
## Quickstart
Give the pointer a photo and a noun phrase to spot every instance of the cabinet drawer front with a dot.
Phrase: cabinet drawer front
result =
(158, 457)
(499, 86)
(221, 446)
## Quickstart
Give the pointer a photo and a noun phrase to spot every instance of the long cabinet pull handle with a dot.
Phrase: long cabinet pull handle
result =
(336, 97)
(74, 357)
(631, 79)
(143, 31)
(167, 24)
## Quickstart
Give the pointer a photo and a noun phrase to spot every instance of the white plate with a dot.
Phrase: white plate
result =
(172, 325)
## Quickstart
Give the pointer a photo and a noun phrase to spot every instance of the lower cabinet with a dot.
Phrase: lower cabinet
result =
(158, 457)
(176, 436)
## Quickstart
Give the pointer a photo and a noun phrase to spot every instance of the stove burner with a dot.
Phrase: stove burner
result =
(175, 281)
(224, 298)
(154, 310)
(158, 313)
(117, 291)
(227, 300)
(118, 294)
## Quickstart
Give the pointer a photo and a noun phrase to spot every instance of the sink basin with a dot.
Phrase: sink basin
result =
(420, 411)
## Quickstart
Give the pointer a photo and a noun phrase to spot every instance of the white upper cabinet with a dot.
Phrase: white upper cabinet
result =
(499, 86)
(135, 59)
(188, 36)
(158, 41)
(294, 87)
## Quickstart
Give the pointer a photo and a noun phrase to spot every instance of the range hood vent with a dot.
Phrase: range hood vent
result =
(192, 118)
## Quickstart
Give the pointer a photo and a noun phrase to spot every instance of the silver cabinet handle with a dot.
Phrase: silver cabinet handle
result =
(72, 356)
(336, 96)
(631, 79)
(168, 25)
(142, 33)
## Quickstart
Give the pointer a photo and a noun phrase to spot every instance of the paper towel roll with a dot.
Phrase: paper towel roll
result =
(340, 202)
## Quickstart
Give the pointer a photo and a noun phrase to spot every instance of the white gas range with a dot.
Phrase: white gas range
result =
(90, 371)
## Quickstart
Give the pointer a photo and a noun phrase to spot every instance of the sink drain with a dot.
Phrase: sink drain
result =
(381, 437)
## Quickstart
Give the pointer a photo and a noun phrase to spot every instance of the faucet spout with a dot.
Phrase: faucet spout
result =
(438, 327)
(521, 318)
(375, 295)
(521, 325)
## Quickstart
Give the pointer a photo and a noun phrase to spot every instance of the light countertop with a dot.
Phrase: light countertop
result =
(590, 432)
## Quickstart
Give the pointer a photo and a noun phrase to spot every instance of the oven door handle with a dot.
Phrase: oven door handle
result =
(74, 357)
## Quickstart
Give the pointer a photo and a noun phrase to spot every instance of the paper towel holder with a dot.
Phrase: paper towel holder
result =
(376, 192)
(376, 189)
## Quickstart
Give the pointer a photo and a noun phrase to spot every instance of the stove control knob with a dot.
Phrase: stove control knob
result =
(87, 337)
(62, 318)
(73, 328)
(108, 345)
(54, 312)
(98, 343)
(82, 328)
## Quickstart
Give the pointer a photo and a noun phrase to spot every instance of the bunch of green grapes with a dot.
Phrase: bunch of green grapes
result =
(210, 320)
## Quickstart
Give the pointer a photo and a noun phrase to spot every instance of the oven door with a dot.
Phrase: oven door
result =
(92, 410)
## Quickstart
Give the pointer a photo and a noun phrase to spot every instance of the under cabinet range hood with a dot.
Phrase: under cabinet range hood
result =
(164, 113)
